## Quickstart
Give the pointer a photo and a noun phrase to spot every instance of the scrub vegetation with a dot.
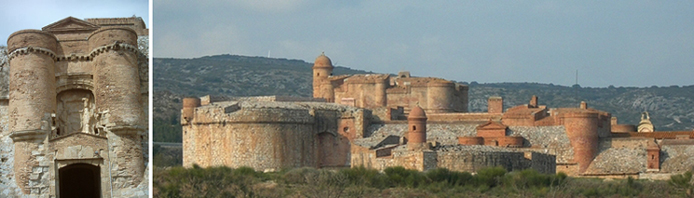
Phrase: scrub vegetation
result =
(401, 182)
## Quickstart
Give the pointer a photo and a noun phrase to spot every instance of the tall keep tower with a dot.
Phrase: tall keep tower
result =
(32, 97)
(322, 69)
(118, 92)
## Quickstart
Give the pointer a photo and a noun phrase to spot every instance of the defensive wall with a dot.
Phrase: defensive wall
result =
(270, 135)
(379, 121)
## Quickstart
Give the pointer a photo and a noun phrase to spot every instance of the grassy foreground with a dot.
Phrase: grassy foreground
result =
(400, 182)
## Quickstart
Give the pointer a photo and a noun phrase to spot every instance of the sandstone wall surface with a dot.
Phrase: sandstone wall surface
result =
(272, 135)
(676, 158)
(629, 155)
(473, 158)
(548, 139)
(259, 138)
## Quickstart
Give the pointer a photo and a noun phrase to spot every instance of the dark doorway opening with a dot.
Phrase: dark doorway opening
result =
(80, 180)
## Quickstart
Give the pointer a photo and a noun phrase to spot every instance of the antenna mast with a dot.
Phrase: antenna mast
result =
(577, 86)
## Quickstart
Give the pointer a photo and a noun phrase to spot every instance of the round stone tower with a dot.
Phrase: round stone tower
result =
(189, 105)
(114, 52)
(115, 62)
(327, 91)
(582, 130)
(417, 128)
(32, 97)
(380, 95)
(440, 96)
(322, 69)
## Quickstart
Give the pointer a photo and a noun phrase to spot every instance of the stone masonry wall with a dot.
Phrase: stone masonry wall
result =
(261, 146)
(628, 155)
(546, 139)
(543, 163)
(676, 158)
(80, 148)
(8, 187)
(235, 135)
(473, 158)
(268, 135)
(420, 160)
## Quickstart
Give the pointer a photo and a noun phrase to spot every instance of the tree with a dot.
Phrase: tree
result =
(3, 55)
(683, 182)
(143, 45)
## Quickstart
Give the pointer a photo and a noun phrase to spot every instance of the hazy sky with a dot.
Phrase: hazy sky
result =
(621, 43)
(27, 14)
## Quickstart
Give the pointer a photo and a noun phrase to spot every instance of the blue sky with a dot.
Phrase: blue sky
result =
(620, 43)
(28, 14)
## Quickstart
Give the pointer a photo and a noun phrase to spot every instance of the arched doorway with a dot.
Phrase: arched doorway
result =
(79, 180)
(333, 151)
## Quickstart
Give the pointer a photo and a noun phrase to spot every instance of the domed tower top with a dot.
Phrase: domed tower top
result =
(417, 132)
(645, 125)
(417, 113)
(322, 61)
(322, 69)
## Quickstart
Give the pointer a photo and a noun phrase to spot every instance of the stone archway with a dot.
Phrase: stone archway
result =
(79, 180)
(333, 150)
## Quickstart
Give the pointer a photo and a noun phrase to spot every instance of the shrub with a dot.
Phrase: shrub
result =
(297, 175)
(453, 178)
(489, 177)
(439, 175)
(402, 177)
(683, 183)
(361, 176)
(324, 183)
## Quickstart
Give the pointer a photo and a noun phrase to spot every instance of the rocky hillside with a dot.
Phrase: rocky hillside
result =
(671, 108)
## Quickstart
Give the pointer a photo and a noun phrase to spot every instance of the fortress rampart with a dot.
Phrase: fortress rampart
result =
(238, 136)
(382, 120)
(470, 160)
(269, 135)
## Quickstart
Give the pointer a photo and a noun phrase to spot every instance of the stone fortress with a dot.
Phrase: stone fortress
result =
(379, 121)
(74, 117)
